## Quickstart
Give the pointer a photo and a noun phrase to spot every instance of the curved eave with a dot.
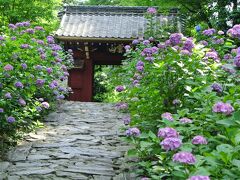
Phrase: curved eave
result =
(92, 39)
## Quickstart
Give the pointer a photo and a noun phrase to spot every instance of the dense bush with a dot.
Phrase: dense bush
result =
(183, 96)
(32, 68)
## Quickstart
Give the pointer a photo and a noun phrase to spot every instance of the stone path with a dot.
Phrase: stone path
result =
(80, 141)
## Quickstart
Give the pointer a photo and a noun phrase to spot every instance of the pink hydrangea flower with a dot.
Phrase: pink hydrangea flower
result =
(167, 116)
(152, 10)
(185, 120)
(199, 140)
(133, 132)
(8, 67)
(45, 105)
(199, 178)
(224, 108)
(167, 132)
(184, 157)
(171, 143)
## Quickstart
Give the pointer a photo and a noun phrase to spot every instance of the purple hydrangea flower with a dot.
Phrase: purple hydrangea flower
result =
(22, 102)
(38, 67)
(237, 61)
(119, 88)
(185, 52)
(204, 43)
(199, 178)
(136, 83)
(50, 40)
(64, 68)
(219, 41)
(8, 95)
(161, 46)
(66, 74)
(185, 120)
(167, 116)
(209, 32)
(40, 82)
(167, 132)
(146, 42)
(62, 89)
(227, 56)
(217, 87)
(152, 10)
(24, 65)
(224, 108)
(1, 110)
(228, 69)
(12, 26)
(56, 47)
(25, 46)
(30, 31)
(45, 105)
(184, 157)
(126, 120)
(41, 42)
(175, 38)
(199, 140)
(18, 85)
(1, 85)
(8, 67)
(171, 143)
(135, 41)
(121, 106)
(58, 60)
(188, 45)
(13, 38)
(127, 47)
(235, 31)
(2, 38)
(19, 24)
(149, 58)
(43, 56)
(51, 86)
(60, 97)
(140, 68)
(10, 119)
(40, 50)
(133, 132)
(49, 70)
(39, 28)
(54, 53)
(26, 24)
(213, 55)
(140, 63)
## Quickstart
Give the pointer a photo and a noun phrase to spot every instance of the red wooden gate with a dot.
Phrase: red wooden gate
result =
(81, 82)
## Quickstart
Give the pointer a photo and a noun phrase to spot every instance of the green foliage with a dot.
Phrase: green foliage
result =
(160, 77)
(32, 68)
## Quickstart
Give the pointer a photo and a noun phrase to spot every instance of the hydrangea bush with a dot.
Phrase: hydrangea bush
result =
(183, 97)
(32, 68)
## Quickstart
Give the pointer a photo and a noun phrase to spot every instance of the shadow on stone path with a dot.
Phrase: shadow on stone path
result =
(80, 141)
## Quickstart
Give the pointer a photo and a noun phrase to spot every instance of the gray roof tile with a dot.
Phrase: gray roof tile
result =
(105, 22)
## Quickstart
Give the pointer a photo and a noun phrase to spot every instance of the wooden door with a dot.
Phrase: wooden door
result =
(81, 82)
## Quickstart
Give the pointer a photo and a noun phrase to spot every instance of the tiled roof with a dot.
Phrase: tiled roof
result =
(105, 22)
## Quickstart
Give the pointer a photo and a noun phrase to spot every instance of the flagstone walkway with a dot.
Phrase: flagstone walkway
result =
(80, 141)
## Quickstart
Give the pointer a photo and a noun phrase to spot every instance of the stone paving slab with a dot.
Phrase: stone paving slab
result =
(80, 141)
